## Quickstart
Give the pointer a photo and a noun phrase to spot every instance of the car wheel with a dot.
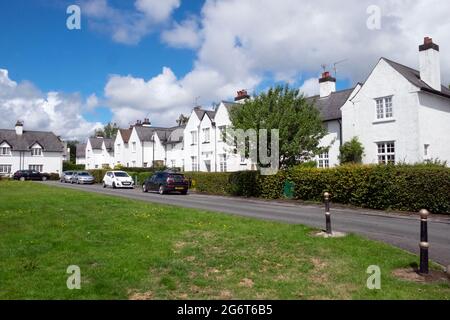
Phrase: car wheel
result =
(44, 178)
(104, 184)
(22, 178)
(114, 185)
(144, 188)
(184, 193)
(161, 190)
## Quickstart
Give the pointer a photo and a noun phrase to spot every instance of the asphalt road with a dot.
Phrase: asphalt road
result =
(398, 230)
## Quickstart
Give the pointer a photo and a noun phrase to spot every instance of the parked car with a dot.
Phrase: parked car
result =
(66, 176)
(82, 177)
(23, 175)
(117, 179)
(166, 182)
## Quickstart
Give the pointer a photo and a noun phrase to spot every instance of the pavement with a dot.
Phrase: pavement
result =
(400, 230)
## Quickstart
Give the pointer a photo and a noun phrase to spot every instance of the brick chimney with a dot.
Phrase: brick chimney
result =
(242, 96)
(430, 64)
(327, 84)
(19, 128)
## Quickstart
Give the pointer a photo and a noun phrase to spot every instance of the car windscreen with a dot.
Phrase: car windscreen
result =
(177, 177)
(121, 174)
(84, 174)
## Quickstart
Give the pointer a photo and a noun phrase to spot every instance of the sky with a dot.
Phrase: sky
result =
(156, 59)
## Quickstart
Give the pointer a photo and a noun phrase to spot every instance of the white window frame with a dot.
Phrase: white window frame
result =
(386, 152)
(324, 160)
(133, 147)
(194, 138)
(195, 167)
(36, 167)
(5, 151)
(223, 162)
(5, 168)
(384, 108)
(36, 152)
(206, 135)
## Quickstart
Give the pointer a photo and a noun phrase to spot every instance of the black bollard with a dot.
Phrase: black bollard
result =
(424, 245)
(327, 212)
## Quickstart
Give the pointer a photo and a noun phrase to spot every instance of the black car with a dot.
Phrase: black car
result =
(166, 182)
(23, 175)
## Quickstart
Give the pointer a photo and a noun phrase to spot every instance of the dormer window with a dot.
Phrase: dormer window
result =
(36, 151)
(384, 108)
(5, 150)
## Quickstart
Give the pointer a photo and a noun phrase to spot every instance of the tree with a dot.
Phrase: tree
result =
(351, 152)
(109, 131)
(182, 120)
(299, 123)
(72, 144)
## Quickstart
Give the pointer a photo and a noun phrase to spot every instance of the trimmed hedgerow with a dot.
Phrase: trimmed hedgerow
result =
(401, 187)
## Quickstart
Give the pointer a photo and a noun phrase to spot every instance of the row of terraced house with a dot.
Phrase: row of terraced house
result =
(399, 114)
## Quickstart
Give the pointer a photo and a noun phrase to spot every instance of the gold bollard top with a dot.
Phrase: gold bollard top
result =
(327, 196)
(424, 214)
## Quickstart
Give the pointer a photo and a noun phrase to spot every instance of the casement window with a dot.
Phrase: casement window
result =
(5, 168)
(206, 135)
(194, 138)
(36, 167)
(194, 164)
(385, 109)
(36, 152)
(324, 160)
(223, 163)
(118, 148)
(223, 133)
(133, 147)
(5, 151)
(386, 152)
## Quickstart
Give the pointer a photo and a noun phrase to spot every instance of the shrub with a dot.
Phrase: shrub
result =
(54, 176)
(351, 152)
(400, 187)
(68, 166)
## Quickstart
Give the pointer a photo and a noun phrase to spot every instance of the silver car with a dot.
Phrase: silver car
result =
(82, 177)
(66, 176)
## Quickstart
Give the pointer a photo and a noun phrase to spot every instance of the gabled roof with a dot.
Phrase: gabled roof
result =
(330, 107)
(413, 76)
(126, 134)
(96, 143)
(48, 140)
(230, 105)
(201, 113)
(81, 150)
(176, 135)
(109, 144)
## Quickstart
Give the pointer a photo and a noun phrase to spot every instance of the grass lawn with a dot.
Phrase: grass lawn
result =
(131, 249)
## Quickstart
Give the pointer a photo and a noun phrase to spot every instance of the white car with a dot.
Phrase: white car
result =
(117, 179)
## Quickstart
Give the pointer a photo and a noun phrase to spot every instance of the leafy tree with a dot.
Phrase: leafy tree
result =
(299, 123)
(351, 152)
(182, 120)
(73, 149)
(109, 131)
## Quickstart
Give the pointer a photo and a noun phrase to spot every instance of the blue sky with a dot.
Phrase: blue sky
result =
(152, 58)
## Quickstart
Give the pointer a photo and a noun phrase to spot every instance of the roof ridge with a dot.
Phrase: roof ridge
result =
(400, 64)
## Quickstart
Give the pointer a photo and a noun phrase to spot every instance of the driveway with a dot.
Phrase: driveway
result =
(398, 230)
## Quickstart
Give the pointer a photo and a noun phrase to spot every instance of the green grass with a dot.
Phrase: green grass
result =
(126, 247)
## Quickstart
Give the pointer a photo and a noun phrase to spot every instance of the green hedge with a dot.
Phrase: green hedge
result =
(68, 166)
(402, 187)
(98, 175)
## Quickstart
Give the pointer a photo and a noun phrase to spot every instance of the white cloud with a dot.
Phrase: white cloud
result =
(183, 35)
(127, 26)
(310, 87)
(52, 111)
(243, 43)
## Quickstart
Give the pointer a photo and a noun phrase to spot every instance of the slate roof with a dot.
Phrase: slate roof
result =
(109, 144)
(81, 150)
(126, 134)
(330, 107)
(413, 76)
(177, 135)
(201, 113)
(47, 140)
(96, 143)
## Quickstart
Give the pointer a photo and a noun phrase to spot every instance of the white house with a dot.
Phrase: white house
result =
(401, 114)
(99, 153)
(30, 150)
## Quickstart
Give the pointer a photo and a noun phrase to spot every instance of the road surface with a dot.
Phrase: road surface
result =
(399, 230)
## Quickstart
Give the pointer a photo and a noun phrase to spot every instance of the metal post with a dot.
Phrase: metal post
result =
(424, 245)
(327, 212)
